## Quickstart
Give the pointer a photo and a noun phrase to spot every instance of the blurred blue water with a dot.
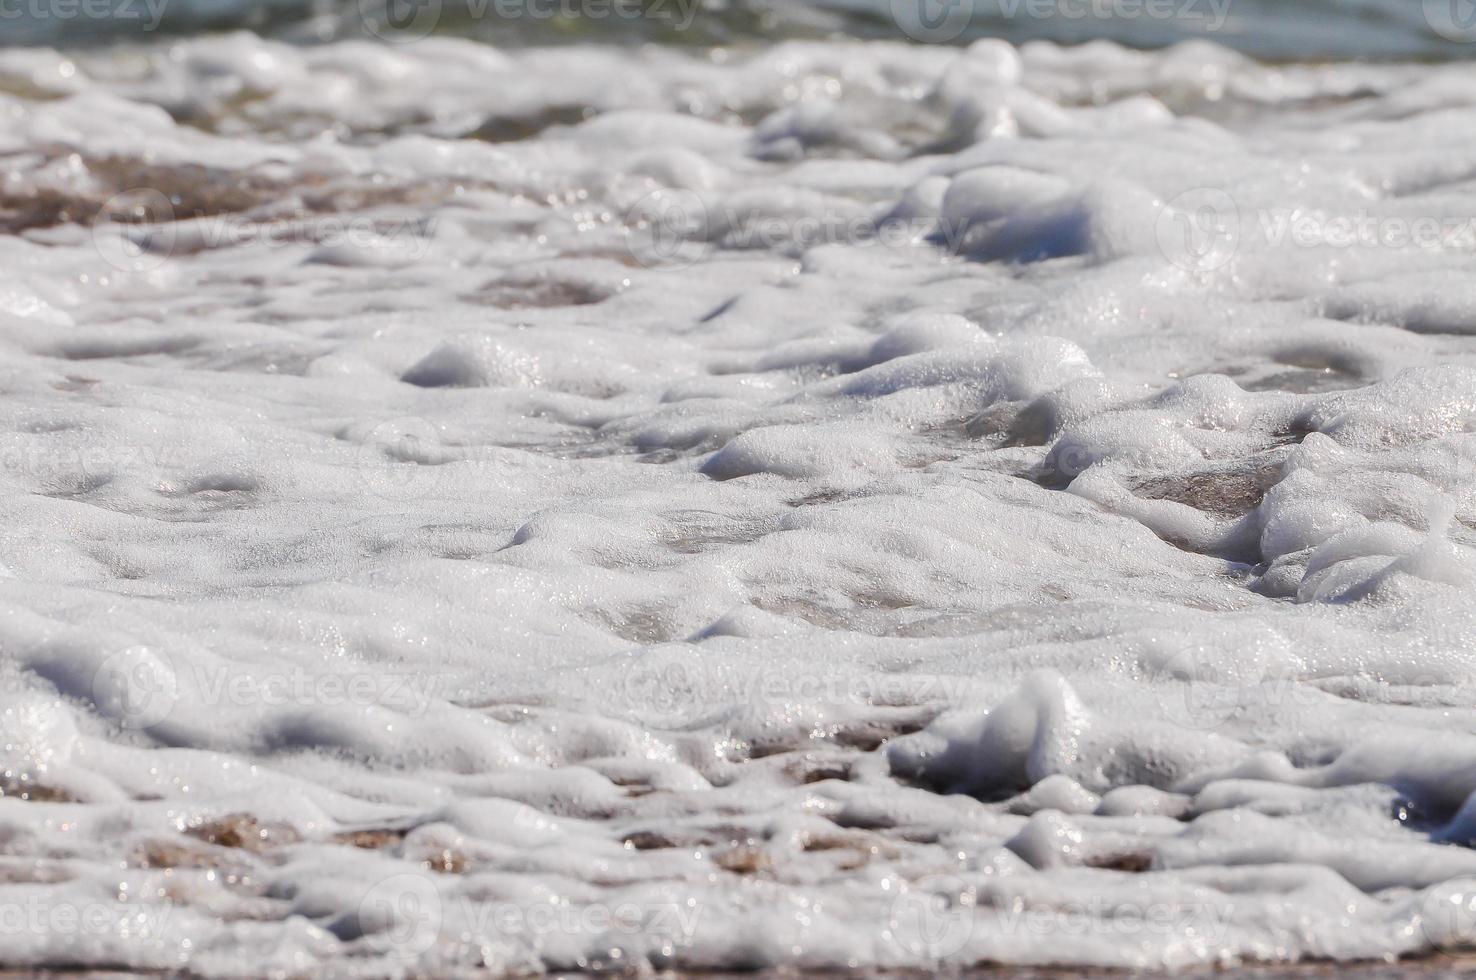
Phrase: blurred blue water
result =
(1276, 29)
(1271, 29)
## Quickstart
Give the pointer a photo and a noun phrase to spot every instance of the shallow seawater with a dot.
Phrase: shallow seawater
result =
(835, 504)
(1283, 30)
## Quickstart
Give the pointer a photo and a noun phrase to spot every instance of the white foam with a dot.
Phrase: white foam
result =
(849, 505)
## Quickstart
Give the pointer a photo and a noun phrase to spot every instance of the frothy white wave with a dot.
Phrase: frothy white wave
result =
(849, 505)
